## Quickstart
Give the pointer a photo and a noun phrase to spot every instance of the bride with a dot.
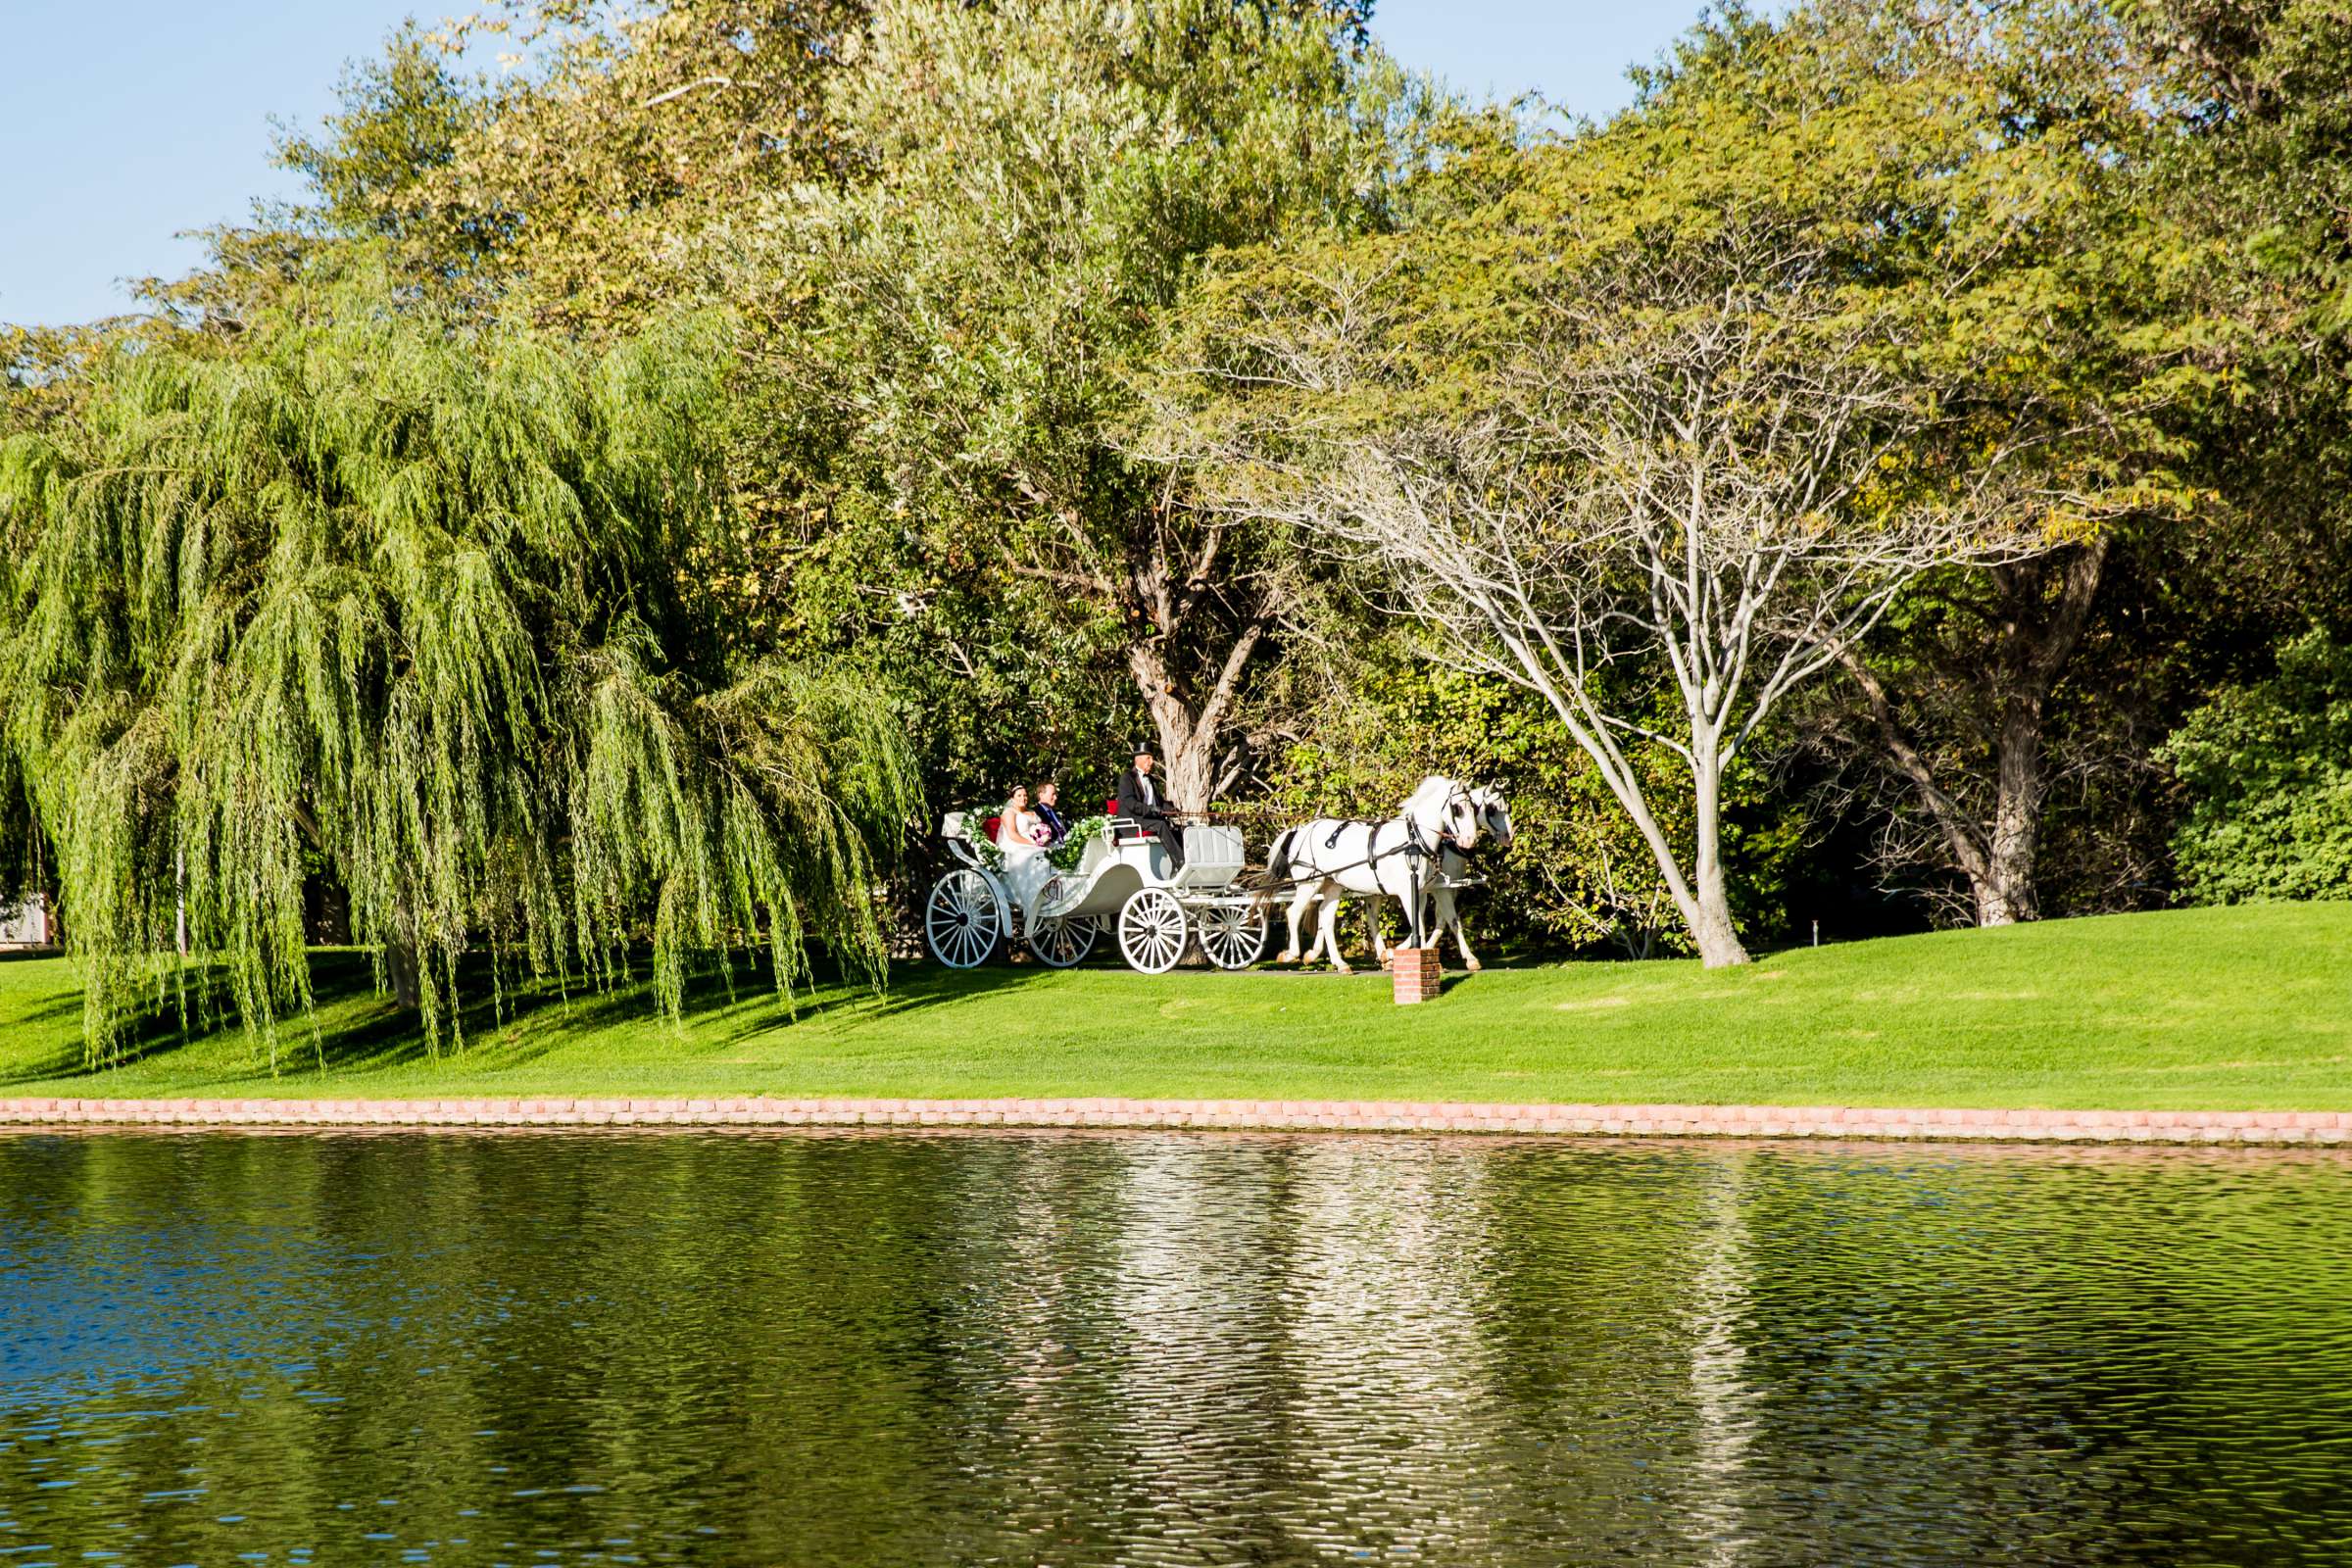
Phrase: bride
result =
(1021, 835)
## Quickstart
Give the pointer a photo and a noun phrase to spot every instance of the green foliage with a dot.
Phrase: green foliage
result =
(640, 130)
(1031, 187)
(2263, 84)
(2268, 768)
(372, 168)
(1000, 684)
(950, 233)
(416, 606)
(2262, 175)
(558, 191)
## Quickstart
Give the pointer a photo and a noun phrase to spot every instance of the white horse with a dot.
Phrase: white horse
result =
(1440, 913)
(1494, 821)
(1329, 858)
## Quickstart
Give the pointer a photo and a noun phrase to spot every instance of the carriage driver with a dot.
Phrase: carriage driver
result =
(1139, 800)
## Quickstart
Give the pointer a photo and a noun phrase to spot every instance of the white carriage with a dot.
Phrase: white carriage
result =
(1123, 883)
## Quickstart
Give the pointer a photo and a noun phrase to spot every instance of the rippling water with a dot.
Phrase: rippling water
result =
(1094, 1349)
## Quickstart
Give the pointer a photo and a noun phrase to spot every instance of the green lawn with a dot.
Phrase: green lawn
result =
(2244, 1008)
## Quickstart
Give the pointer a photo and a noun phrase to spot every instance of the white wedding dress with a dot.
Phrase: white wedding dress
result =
(1027, 870)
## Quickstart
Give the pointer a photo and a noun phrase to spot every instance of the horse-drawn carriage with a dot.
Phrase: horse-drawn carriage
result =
(1122, 882)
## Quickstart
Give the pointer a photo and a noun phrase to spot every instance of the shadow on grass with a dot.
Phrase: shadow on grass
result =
(198, 1009)
(193, 1009)
(65, 1063)
(355, 1029)
(912, 987)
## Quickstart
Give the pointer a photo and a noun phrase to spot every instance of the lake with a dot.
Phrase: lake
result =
(1142, 1349)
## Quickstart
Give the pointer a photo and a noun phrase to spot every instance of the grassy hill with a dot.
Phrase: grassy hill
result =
(2240, 1008)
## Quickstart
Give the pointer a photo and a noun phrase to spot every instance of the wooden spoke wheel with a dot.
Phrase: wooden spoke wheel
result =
(1060, 941)
(1152, 930)
(960, 919)
(1234, 936)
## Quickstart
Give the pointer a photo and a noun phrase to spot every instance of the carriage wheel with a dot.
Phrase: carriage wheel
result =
(960, 919)
(1061, 942)
(1152, 930)
(1234, 936)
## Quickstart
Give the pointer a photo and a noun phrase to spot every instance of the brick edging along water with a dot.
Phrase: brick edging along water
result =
(1307, 1115)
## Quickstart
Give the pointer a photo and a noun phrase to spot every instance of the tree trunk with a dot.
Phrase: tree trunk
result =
(1188, 731)
(2037, 635)
(1188, 753)
(1709, 916)
(2002, 878)
(1711, 927)
(399, 965)
(1699, 899)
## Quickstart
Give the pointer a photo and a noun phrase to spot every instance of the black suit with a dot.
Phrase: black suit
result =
(1147, 814)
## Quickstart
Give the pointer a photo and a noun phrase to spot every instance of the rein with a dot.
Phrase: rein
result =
(1411, 846)
(1414, 846)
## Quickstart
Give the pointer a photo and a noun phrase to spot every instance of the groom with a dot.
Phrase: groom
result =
(1138, 799)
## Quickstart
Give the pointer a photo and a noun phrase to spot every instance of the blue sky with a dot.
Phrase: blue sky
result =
(128, 122)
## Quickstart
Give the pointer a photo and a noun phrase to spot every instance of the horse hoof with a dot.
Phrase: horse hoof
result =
(1472, 964)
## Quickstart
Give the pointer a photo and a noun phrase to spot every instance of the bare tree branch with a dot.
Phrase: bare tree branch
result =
(1699, 479)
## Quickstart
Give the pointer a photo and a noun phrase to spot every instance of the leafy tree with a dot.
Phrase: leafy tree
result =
(2193, 277)
(2269, 771)
(378, 166)
(824, 172)
(2086, 324)
(2260, 85)
(416, 607)
(566, 191)
(1672, 403)
(639, 129)
(1035, 181)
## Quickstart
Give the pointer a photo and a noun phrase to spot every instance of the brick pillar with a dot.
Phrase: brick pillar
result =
(1415, 973)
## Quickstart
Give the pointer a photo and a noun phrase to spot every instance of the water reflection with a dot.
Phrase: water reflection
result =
(1080, 1350)
(1714, 1310)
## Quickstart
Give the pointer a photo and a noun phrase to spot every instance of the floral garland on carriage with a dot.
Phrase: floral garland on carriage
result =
(1064, 856)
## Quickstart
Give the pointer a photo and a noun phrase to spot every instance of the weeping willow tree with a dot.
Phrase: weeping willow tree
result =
(416, 616)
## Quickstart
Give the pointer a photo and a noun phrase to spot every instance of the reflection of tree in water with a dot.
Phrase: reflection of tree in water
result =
(1714, 1316)
(1107, 1359)
(2020, 1354)
(1182, 1349)
(1387, 1390)
(1195, 1279)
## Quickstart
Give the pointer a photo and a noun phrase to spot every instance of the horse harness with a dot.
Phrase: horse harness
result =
(1413, 848)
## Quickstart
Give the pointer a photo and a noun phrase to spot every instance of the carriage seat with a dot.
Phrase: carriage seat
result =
(1125, 829)
(958, 825)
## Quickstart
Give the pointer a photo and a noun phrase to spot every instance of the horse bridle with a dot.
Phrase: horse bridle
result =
(1448, 840)
(1486, 814)
(1445, 838)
